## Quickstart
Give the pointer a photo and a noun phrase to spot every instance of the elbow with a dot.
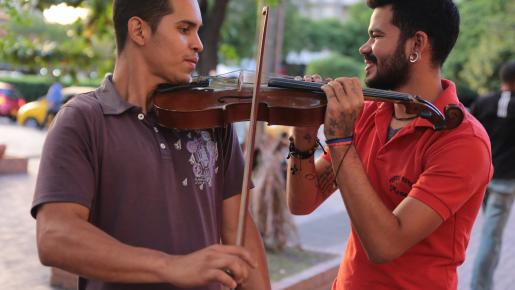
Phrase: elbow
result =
(47, 246)
(299, 206)
(382, 256)
(44, 250)
(299, 209)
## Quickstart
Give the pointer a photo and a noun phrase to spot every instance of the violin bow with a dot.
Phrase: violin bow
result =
(251, 134)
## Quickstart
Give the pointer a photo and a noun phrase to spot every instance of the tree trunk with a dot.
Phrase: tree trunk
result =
(210, 33)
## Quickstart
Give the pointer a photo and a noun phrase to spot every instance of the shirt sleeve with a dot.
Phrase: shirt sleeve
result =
(454, 172)
(67, 167)
(233, 163)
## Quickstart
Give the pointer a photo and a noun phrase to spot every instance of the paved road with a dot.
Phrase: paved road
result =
(324, 230)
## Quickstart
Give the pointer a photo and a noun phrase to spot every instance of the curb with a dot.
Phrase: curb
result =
(318, 277)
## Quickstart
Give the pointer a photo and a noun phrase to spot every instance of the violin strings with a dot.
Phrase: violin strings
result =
(367, 91)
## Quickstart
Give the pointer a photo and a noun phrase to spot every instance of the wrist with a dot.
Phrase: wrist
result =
(304, 139)
(343, 141)
(166, 269)
(297, 153)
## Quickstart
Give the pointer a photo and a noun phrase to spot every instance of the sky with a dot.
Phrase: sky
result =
(63, 14)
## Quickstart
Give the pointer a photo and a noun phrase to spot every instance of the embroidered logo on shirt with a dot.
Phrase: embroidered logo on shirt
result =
(204, 155)
(400, 185)
(178, 145)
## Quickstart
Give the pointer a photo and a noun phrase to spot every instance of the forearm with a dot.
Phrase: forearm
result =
(378, 228)
(305, 187)
(81, 248)
(302, 188)
(258, 278)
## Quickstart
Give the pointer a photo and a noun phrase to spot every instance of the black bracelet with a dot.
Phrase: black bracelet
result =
(303, 154)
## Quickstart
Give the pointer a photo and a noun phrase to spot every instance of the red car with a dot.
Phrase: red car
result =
(10, 101)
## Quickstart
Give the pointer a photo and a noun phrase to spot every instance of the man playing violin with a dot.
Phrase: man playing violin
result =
(412, 193)
(128, 204)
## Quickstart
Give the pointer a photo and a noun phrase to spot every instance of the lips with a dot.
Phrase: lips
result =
(193, 60)
(368, 65)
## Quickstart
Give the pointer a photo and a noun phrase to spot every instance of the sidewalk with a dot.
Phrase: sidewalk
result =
(324, 230)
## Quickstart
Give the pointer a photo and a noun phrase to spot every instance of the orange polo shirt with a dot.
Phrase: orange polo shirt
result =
(447, 170)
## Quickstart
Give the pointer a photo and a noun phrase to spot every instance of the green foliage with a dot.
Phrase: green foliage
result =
(238, 31)
(31, 43)
(335, 66)
(486, 41)
(30, 87)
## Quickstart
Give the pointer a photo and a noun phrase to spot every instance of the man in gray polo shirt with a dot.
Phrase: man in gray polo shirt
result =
(127, 204)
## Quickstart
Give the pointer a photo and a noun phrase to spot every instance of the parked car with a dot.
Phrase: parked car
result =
(33, 113)
(10, 101)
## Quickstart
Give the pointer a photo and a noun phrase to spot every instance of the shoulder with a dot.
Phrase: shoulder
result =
(81, 114)
(86, 105)
(469, 129)
(468, 139)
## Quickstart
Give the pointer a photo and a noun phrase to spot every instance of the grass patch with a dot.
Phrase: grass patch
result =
(292, 261)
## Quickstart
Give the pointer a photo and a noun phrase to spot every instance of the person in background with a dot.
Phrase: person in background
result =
(53, 98)
(497, 114)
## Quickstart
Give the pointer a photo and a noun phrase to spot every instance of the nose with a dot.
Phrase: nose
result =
(197, 43)
(366, 48)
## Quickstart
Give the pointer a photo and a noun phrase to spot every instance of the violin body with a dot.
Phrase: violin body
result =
(204, 107)
(282, 101)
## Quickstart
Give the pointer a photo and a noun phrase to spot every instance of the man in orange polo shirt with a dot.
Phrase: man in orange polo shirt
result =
(412, 193)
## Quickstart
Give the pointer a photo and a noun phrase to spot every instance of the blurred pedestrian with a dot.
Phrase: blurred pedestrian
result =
(497, 114)
(53, 98)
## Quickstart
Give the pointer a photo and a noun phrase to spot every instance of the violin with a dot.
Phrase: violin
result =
(210, 102)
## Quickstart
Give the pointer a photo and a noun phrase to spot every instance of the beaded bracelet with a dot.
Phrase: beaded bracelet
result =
(302, 154)
(339, 141)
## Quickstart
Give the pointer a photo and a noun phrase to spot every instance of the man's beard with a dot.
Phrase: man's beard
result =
(392, 73)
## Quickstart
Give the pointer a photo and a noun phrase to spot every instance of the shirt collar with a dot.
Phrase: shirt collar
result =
(110, 101)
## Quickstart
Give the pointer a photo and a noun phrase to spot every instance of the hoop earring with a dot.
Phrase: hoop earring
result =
(414, 59)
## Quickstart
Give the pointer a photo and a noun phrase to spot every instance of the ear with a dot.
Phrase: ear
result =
(138, 30)
(420, 43)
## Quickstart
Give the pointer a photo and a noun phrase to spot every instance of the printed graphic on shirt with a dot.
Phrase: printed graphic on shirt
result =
(204, 155)
(400, 185)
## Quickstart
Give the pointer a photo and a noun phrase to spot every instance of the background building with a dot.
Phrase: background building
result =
(318, 9)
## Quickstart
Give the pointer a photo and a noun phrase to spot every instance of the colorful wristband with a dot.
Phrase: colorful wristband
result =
(335, 141)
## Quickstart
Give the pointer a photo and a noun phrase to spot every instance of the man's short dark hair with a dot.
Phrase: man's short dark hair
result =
(439, 19)
(150, 11)
(507, 72)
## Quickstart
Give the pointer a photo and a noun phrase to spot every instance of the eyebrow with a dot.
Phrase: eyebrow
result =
(371, 31)
(189, 23)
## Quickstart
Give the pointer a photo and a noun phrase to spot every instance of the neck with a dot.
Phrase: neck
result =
(132, 82)
(426, 84)
(508, 87)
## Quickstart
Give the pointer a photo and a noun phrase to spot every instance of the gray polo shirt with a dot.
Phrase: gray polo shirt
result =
(145, 185)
